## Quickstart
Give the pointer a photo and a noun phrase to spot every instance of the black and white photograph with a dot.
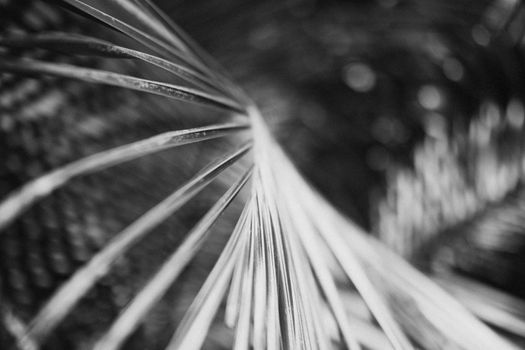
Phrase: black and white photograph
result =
(262, 174)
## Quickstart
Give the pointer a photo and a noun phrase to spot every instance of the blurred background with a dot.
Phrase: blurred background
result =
(408, 115)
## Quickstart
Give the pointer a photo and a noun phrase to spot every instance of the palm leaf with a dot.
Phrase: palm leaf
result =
(278, 262)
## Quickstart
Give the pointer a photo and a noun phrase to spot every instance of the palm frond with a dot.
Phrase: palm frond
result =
(116, 20)
(15, 204)
(489, 304)
(193, 328)
(26, 66)
(291, 256)
(79, 284)
(85, 45)
(151, 293)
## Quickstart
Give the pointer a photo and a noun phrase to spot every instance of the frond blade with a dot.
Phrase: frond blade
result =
(129, 319)
(75, 44)
(177, 92)
(492, 306)
(192, 330)
(153, 42)
(17, 202)
(79, 284)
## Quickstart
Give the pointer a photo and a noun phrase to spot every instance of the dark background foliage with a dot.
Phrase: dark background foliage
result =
(293, 57)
